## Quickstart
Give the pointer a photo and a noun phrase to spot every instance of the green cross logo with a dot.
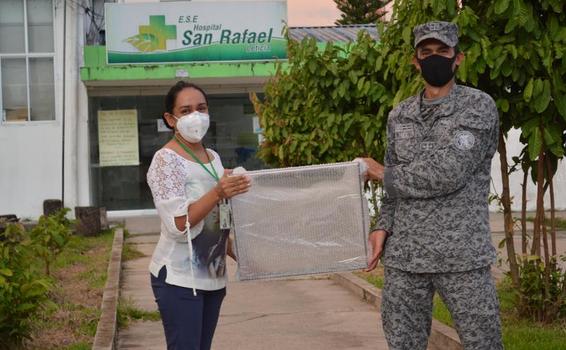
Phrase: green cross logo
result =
(154, 36)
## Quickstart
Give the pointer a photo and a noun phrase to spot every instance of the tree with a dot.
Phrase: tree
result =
(360, 11)
(332, 106)
(516, 52)
(325, 106)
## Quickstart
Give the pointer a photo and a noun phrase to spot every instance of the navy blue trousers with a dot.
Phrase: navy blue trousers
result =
(189, 321)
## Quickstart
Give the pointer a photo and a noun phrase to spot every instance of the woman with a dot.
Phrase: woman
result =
(188, 182)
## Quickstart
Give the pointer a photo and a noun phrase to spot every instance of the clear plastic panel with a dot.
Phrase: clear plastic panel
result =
(303, 220)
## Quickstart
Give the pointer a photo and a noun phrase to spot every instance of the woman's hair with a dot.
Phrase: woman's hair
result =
(171, 96)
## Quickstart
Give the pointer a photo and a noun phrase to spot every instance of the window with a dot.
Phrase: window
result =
(231, 134)
(26, 60)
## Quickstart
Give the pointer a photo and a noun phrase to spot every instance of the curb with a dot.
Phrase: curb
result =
(441, 336)
(106, 329)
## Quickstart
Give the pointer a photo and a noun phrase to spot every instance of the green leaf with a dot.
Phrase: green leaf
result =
(535, 144)
(528, 93)
(25, 307)
(501, 6)
(557, 150)
(407, 35)
(538, 87)
(6, 272)
(504, 105)
(551, 139)
(511, 24)
(281, 153)
(506, 69)
(542, 101)
(560, 103)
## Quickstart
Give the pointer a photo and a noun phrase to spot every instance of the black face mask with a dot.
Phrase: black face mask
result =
(437, 70)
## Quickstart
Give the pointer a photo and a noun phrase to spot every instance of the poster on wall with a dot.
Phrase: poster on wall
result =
(195, 31)
(118, 137)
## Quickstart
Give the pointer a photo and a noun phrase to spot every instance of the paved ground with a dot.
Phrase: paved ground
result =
(276, 315)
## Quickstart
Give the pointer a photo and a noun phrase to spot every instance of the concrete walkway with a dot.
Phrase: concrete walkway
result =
(303, 313)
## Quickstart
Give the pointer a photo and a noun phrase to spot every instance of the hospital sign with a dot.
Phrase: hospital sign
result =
(196, 31)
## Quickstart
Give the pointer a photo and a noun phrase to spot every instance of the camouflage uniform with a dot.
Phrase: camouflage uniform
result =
(435, 210)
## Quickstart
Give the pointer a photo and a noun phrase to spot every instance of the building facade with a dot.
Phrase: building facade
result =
(61, 103)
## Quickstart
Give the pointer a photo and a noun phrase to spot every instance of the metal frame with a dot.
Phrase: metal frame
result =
(354, 262)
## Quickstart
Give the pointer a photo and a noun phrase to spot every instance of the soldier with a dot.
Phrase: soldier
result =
(434, 224)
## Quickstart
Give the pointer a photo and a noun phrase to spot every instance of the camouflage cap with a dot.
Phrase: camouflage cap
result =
(445, 32)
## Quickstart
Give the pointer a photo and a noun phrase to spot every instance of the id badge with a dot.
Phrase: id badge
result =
(225, 215)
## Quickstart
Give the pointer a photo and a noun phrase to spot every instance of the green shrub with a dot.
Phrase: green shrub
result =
(542, 292)
(50, 236)
(23, 291)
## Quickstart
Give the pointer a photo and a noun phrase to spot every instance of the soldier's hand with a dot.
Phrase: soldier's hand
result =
(376, 240)
(375, 170)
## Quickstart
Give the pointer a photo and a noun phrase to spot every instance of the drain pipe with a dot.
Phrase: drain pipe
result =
(64, 102)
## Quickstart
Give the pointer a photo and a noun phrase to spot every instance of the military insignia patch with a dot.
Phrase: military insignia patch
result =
(464, 140)
(428, 145)
(404, 131)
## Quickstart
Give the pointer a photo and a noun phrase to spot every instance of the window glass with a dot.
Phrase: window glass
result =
(14, 91)
(12, 31)
(40, 25)
(41, 80)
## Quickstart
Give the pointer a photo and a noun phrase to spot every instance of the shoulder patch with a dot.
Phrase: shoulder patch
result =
(464, 140)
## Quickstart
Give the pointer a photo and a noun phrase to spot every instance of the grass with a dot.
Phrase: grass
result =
(129, 252)
(518, 334)
(128, 312)
(78, 275)
(559, 222)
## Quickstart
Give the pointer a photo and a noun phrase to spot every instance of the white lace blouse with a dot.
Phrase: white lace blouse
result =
(175, 183)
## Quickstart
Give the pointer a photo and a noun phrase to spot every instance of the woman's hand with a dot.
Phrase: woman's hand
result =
(230, 186)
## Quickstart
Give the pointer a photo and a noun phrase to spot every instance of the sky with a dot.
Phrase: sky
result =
(300, 12)
(311, 12)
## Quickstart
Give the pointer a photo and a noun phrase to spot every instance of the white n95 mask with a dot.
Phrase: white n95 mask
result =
(193, 126)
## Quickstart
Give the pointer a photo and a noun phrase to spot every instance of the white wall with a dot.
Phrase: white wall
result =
(31, 154)
(76, 174)
(514, 148)
(30, 167)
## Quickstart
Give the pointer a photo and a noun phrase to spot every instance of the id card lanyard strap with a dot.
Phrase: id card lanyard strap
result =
(224, 206)
(212, 173)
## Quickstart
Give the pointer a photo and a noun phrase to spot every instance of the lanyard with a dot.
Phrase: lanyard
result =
(214, 174)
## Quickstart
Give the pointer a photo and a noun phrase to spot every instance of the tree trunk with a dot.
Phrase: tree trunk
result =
(507, 214)
(535, 249)
(524, 238)
(88, 221)
(540, 233)
(552, 208)
(51, 206)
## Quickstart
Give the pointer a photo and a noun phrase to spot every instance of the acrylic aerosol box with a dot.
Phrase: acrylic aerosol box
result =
(300, 221)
